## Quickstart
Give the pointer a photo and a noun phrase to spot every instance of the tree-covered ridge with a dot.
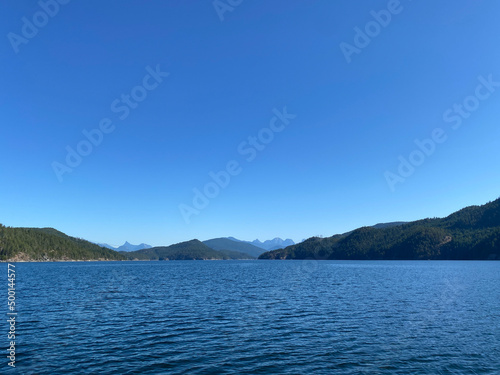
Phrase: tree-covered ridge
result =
(48, 244)
(189, 250)
(471, 233)
(226, 244)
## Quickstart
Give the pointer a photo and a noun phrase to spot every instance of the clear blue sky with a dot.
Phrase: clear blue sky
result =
(325, 173)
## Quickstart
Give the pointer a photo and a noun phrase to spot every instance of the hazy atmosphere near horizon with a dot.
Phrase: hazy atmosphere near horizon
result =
(163, 121)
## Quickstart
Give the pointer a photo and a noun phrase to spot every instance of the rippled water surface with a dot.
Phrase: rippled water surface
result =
(258, 317)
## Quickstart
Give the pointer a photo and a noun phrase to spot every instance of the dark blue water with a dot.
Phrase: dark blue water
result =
(257, 317)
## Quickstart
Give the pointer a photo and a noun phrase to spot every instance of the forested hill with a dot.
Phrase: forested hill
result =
(48, 244)
(189, 250)
(471, 233)
(224, 244)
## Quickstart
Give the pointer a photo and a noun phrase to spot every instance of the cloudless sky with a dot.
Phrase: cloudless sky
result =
(322, 175)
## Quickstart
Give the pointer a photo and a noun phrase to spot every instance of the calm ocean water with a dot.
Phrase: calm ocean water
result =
(257, 317)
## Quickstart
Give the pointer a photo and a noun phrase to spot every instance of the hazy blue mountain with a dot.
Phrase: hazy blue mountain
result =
(234, 245)
(127, 246)
(275, 243)
(106, 246)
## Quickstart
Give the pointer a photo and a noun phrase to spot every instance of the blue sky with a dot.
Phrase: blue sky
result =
(324, 173)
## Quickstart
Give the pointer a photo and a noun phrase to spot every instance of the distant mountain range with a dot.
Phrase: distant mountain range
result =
(234, 245)
(217, 248)
(471, 233)
(189, 250)
(126, 246)
(274, 244)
